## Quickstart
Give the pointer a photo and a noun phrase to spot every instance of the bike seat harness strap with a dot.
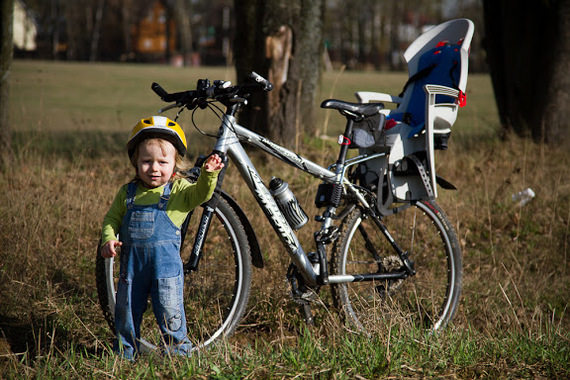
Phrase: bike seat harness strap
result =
(354, 111)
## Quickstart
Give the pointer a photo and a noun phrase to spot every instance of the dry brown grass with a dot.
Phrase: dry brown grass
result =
(516, 269)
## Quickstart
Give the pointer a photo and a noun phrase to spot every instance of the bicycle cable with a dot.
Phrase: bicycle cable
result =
(216, 111)
(211, 105)
(196, 126)
(178, 113)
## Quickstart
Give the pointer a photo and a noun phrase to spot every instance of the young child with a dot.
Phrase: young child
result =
(146, 215)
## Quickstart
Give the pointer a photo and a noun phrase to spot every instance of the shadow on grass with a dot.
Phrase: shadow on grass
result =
(40, 335)
(35, 321)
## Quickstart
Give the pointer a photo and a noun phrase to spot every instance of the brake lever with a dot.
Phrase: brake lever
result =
(169, 107)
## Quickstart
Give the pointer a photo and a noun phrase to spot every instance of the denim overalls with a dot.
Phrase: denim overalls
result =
(150, 264)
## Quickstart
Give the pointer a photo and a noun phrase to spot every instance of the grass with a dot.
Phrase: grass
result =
(70, 122)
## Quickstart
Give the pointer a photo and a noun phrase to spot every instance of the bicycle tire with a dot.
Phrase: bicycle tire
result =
(215, 295)
(427, 300)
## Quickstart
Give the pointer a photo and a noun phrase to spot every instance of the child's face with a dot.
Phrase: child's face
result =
(156, 162)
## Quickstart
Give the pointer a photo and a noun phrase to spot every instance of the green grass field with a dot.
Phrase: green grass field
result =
(70, 122)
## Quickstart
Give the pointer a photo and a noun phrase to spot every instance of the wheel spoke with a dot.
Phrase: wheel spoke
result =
(428, 299)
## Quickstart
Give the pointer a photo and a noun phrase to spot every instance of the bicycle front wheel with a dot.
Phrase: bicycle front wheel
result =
(215, 295)
(429, 299)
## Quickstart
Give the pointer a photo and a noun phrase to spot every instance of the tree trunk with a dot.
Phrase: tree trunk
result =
(182, 15)
(7, 12)
(126, 19)
(55, 11)
(281, 41)
(96, 35)
(528, 50)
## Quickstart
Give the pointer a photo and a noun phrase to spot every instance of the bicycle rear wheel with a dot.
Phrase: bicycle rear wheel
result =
(215, 295)
(429, 299)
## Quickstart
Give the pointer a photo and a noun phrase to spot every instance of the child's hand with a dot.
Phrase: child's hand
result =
(110, 249)
(213, 163)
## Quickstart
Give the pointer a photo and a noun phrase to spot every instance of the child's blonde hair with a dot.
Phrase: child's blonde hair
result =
(181, 164)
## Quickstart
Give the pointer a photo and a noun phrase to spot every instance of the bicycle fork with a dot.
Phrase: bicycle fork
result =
(200, 238)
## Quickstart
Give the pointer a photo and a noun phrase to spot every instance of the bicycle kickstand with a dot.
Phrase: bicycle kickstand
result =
(309, 320)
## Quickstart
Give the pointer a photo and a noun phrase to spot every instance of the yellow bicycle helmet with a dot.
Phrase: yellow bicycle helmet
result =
(157, 127)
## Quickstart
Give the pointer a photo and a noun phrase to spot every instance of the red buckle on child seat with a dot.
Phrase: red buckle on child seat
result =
(462, 99)
(390, 123)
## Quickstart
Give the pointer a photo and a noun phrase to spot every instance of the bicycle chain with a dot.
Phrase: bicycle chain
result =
(390, 263)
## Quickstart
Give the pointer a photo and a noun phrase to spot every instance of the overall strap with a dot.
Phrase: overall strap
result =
(131, 192)
(165, 196)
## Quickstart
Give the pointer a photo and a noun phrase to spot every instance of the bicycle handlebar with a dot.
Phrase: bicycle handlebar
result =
(267, 85)
(220, 91)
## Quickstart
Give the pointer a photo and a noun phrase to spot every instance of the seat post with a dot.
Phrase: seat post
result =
(344, 147)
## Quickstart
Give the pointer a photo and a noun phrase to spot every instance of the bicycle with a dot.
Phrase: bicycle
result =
(389, 257)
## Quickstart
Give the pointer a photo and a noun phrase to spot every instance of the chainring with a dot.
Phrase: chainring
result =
(300, 293)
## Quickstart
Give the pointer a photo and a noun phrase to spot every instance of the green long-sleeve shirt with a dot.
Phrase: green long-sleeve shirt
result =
(184, 197)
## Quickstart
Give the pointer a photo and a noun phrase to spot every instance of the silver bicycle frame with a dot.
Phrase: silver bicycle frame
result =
(229, 142)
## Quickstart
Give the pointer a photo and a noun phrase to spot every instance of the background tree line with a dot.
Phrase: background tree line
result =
(359, 34)
(524, 43)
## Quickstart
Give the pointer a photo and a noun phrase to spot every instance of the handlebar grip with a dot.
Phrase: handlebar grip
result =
(267, 85)
(158, 90)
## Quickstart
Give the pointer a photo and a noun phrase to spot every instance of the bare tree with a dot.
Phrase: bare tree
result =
(7, 12)
(282, 41)
(528, 49)
(96, 35)
(183, 14)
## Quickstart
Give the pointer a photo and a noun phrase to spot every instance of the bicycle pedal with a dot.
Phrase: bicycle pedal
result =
(327, 236)
(307, 296)
(303, 295)
(300, 293)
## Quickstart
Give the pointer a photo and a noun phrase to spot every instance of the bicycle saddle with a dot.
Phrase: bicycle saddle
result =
(355, 110)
